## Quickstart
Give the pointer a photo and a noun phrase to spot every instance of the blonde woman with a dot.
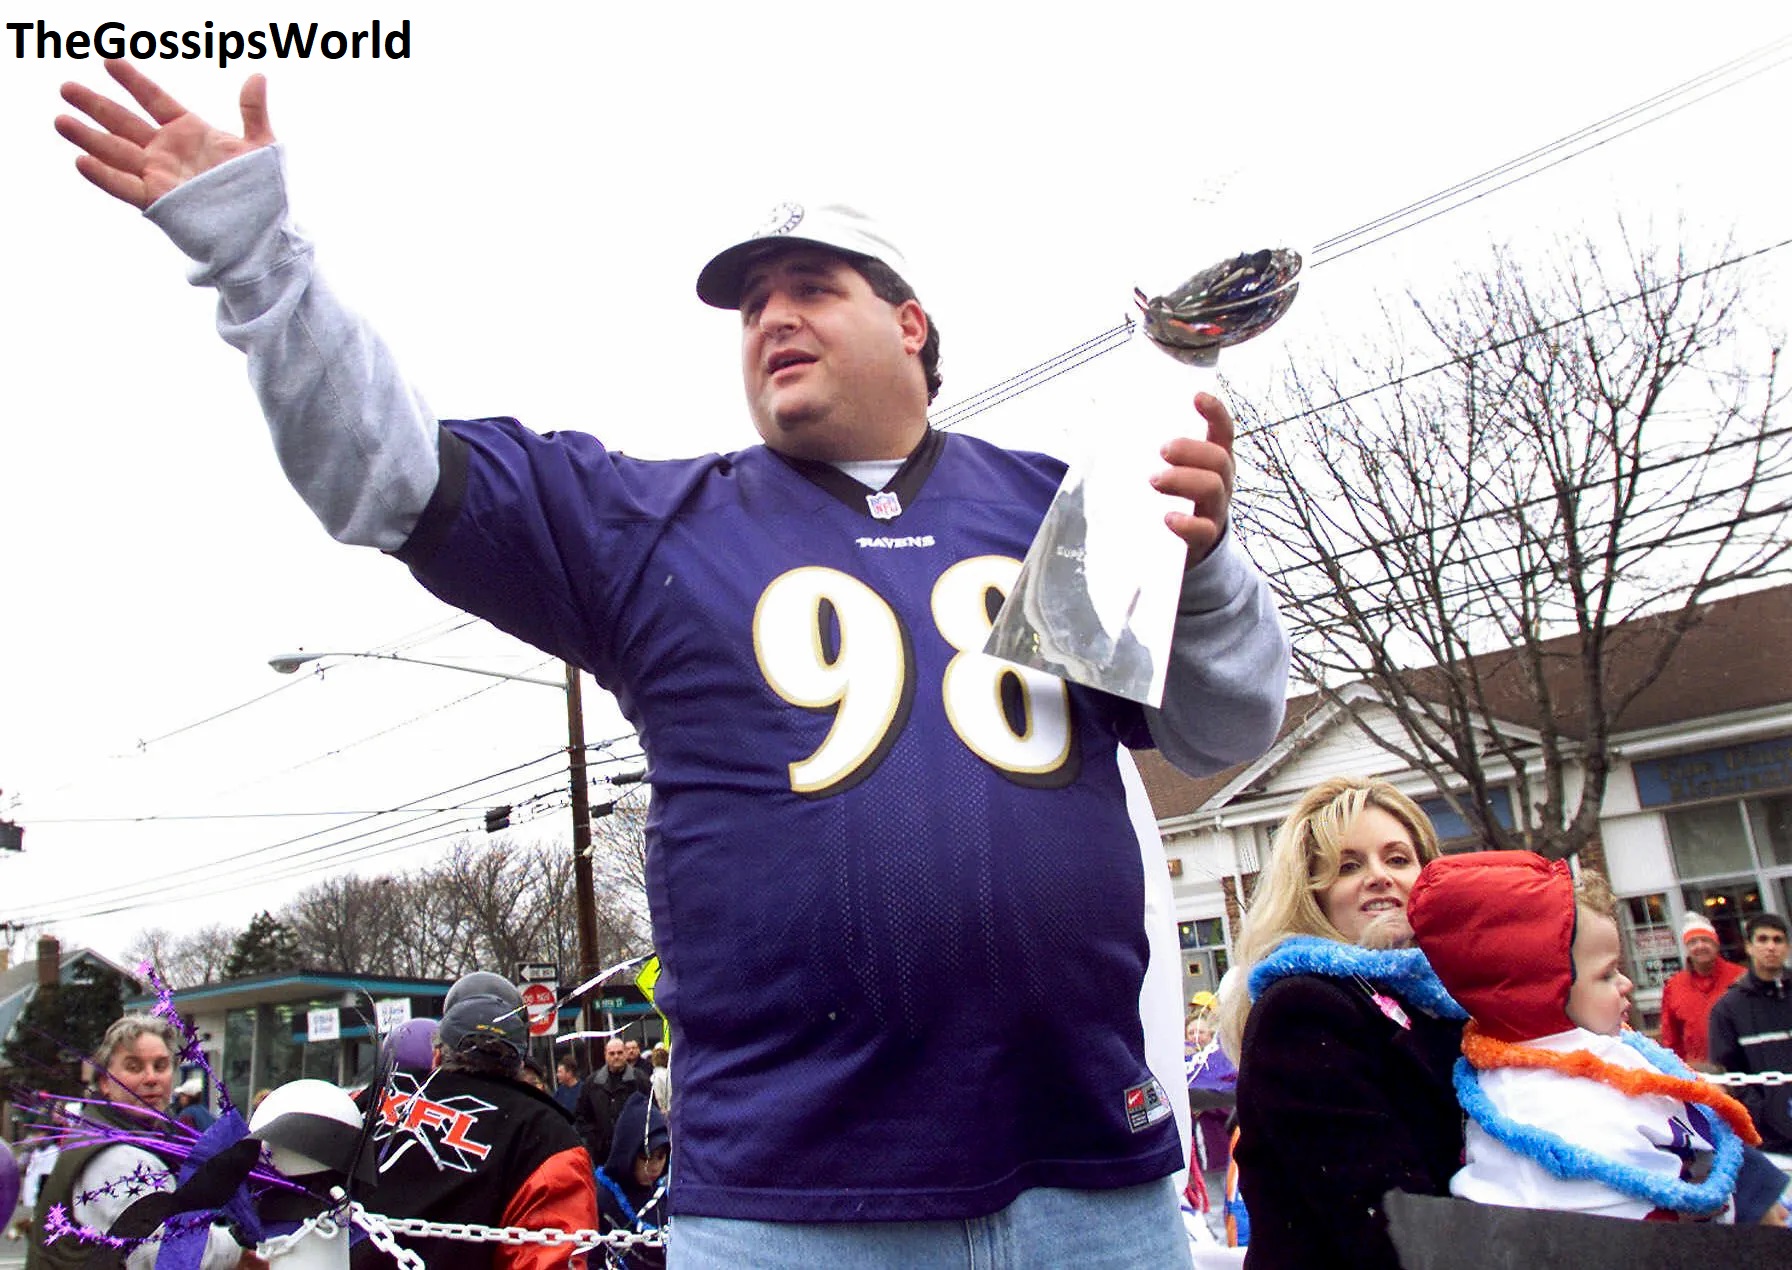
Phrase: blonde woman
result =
(1345, 1038)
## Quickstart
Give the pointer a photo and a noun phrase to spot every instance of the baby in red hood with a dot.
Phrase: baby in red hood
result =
(1567, 1108)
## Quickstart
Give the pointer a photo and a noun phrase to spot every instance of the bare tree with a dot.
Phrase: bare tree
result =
(1475, 534)
(485, 905)
(185, 960)
(351, 924)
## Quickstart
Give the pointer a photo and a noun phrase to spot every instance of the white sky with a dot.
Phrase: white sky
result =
(522, 206)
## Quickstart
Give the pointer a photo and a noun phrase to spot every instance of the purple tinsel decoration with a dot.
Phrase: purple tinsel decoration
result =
(192, 1052)
(58, 1226)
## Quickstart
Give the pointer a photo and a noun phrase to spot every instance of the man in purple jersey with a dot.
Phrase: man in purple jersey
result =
(868, 840)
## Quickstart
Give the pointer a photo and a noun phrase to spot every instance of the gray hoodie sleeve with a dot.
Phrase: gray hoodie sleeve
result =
(355, 440)
(1224, 694)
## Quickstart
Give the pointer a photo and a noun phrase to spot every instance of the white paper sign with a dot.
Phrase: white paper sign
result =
(392, 1012)
(323, 1025)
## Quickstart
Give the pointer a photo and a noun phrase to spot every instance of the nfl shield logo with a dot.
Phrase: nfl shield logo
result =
(884, 505)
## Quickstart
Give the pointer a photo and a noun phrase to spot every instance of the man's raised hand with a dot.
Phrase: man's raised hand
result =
(137, 161)
(1200, 471)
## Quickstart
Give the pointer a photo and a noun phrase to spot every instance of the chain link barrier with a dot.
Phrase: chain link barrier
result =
(1748, 1078)
(324, 1226)
(382, 1232)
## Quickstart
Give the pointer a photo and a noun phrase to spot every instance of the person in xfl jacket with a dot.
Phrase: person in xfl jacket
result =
(1751, 1030)
(631, 1185)
(469, 1142)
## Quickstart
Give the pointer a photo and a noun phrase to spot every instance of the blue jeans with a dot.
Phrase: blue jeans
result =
(1136, 1228)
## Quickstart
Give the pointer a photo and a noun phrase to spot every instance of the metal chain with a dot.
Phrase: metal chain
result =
(1749, 1078)
(472, 1232)
(323, 1225)
(380, 1236)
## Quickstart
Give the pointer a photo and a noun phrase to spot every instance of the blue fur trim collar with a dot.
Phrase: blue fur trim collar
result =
(1403, 971)
(1571, 1163)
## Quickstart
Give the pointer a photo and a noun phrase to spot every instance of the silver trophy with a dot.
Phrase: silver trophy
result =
(1095, 600)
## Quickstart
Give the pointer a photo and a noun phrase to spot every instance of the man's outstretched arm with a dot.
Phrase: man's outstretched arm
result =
(355, 440)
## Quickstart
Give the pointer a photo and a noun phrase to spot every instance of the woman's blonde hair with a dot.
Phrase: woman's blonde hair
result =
(1302, 864)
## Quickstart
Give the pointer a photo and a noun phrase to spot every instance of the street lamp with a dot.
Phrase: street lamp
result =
(583, 881)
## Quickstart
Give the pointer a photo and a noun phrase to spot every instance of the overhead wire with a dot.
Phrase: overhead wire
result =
(256, 861)
(259, 852)
(338, 750)
(1323, 252)
(1461, 359)
(1645, 469)
(978, 403)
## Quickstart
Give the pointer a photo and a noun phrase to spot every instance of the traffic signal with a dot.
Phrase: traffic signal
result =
(12, 837)
(497, 818)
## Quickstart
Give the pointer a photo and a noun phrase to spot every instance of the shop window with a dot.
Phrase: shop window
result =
(1651, 947)
(1204, 957)
(1770, 819)
(1708, 840)
(1726, 903)
(1454, 833)
(239, 1046)
(1203, 932)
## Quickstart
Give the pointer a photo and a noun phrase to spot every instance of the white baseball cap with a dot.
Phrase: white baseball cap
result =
(832, 225)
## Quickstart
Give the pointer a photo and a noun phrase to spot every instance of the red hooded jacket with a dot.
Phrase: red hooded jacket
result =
(1498, 928)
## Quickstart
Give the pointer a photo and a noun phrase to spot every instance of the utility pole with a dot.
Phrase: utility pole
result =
(582, 880)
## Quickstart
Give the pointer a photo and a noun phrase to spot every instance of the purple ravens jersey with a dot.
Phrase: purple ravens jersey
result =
(896, 886)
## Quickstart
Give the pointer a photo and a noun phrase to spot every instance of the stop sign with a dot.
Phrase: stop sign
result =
(543, 1017)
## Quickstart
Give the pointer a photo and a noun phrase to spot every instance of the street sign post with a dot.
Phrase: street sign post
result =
(541, 1001)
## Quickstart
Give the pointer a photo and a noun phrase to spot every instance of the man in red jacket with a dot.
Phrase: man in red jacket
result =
(1687, 998)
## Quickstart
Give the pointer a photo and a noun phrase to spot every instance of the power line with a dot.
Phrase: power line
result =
(207, 892)
(1483, 586)
(154, 817)
(253, 853)
(318, 673)
(1648, 469)
(1322, 250)
(1463, 358)
(1091, 348)
(254, 861)
(977, 403)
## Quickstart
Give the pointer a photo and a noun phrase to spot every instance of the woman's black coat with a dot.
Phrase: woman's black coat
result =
(1337, 1105)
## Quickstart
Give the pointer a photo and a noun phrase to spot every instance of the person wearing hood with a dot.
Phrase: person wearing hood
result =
(1568, 1109)
(631, 1185)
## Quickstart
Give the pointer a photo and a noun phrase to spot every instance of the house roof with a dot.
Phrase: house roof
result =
(286, 986)
(1734, 658)
(18, 984)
